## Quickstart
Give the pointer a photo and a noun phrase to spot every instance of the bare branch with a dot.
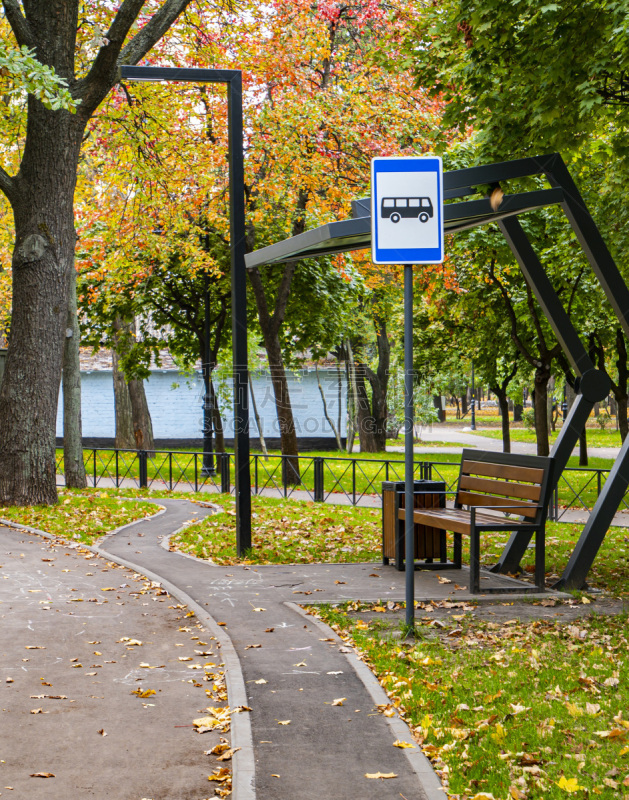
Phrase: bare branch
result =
(511, 314)
(20, 27)
(153, 31)
(102, 75)
(7, 185)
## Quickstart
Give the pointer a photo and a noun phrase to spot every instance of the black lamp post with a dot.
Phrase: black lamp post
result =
(208, 400)
(233, 79)
(473, 422)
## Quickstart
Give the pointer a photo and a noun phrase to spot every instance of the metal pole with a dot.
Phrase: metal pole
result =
(409, 424)
(473, 422)
(239, 316)
(208, 408)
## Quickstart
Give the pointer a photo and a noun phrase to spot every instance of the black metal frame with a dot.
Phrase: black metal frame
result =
(593, 385)
(233, 79)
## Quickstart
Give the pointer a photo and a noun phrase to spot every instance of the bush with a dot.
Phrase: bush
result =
(528, 418)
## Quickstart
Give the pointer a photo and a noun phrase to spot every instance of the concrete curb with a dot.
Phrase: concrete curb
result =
(243, 770)
(427, 777)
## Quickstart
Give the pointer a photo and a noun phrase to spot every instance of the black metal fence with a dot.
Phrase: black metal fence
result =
(318, 478)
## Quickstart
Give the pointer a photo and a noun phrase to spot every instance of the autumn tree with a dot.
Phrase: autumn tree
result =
(83, 44)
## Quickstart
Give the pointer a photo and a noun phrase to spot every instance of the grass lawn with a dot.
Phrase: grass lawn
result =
(286, 532)
(508, 709)
(82, 517)
(595, 436)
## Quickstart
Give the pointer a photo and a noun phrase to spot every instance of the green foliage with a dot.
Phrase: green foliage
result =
(22, 74)
(533, 75)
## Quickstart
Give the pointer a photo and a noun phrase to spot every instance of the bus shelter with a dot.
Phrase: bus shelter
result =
(467, 205)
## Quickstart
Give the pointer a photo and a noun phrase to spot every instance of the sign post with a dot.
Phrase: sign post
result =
(407, 228)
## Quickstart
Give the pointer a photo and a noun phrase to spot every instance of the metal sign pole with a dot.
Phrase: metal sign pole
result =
(409, 425)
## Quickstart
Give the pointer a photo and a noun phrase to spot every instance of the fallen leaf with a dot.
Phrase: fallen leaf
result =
(339, 701)
(260, 681)
(259, 609)
(283, 721)
(252, 646)
(269, 630)
(42, 774)
(38, 711)
(380, 775)
(402, 745)
(144, 692)
(443, 580)
(222, 774)
(34, 647)
(102, 732)
(569, 784)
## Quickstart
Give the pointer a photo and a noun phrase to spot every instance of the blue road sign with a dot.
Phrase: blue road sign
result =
(407, 210)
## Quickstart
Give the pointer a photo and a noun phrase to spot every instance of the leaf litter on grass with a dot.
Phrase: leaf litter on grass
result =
(525, 710)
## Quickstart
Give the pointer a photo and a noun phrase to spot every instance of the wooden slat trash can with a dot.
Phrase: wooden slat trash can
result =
(430, 543)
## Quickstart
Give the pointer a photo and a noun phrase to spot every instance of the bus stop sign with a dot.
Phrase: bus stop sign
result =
(407, 210)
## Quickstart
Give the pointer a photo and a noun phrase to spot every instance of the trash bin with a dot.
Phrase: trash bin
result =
(430, 543)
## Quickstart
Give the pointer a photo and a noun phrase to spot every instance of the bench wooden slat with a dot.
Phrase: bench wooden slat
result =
(470, 499)
(506, 471)
(524, 491)
(456, 520)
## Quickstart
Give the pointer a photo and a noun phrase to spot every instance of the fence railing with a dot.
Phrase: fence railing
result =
(318, 478)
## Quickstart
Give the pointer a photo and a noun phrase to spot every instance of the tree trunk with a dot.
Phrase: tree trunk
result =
(464, 404)
(142, 436)
(583, 449)
(258, 421)
(620, 386)
(372, 421)
(518, 408)
(542, 376)
(41, 197)
(270, 325)
(503, 404)
(122, 405)
(284, 410)
(142, 424)
(549, 403)
(74, 467)
(335, 430)
(352, 398)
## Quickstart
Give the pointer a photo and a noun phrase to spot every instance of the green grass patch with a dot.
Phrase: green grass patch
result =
(595, 436)
(287, 532)
(523, 710)
(82, 517)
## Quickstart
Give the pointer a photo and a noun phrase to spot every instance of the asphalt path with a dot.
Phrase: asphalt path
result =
(307, 742)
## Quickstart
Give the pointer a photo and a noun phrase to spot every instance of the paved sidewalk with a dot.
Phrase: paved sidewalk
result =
(76, 632)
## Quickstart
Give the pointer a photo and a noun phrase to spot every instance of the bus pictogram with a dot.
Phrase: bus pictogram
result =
(396, 208)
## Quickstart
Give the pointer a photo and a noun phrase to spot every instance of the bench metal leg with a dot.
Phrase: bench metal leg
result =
(474, 555)
(458, 546)
(399, 549)
(540, 559)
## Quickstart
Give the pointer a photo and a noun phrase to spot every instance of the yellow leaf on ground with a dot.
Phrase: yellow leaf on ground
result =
(380, 775)
(144, 692)
(569, 784)
(42, 775)
(339, 701)
(402, 745)
(283, 722)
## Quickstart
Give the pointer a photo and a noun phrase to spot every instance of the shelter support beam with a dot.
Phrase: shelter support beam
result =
(592, 535)
(515, 548)
(593, 384)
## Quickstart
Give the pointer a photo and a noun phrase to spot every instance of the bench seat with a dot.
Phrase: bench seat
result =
(495, 492)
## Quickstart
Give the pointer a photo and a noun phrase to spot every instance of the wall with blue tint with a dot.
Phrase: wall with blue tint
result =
(175, 403)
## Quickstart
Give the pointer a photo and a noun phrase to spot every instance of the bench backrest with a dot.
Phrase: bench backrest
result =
(505, 479)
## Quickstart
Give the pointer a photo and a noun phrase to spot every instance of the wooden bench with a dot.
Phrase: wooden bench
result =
(492, 486)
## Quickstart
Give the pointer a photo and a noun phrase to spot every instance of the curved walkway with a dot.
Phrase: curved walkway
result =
(301, 745)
